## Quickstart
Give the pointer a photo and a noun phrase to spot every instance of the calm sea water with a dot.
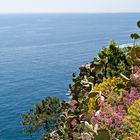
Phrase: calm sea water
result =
(38, 54)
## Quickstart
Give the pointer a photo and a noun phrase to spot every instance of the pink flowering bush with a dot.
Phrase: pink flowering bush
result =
(115, 107)
(130, 96)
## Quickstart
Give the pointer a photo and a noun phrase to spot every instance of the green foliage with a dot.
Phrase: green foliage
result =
(102, 135)
(43, 116)
(138, 24)
(110, 61)
(69, 125)
(113, 60)
(133, 56)
(63, 121)
(135, 36)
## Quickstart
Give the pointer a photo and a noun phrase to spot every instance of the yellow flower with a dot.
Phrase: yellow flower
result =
(90, 105)
(109, 84)
(133, 117)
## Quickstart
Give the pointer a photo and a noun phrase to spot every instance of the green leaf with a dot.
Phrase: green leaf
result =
(102, 135)
(123, 76)
(92, 94)
(63, 118)
(138, 23)
(134, 36)
(119, 86)
(89, 127)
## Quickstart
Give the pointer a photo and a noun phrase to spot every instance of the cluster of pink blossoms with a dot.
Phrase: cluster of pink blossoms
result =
(109, 116)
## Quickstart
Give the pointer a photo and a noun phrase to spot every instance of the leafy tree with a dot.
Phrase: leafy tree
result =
(43, 116)
(133, 55)
(135, 36)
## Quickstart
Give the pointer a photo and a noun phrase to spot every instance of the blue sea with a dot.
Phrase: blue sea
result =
(39, 53)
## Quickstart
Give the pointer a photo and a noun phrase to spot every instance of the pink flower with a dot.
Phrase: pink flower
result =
(136, 68)
(127, 122)
(100, 100)
(120, 107)
(117, 116)
(93, 119)
(138, 138)
(130, 97)
(74, 122)
(97, 114)
(133, 91)
(108, 121)
(72, 104)
(85, 136)
(138, 73)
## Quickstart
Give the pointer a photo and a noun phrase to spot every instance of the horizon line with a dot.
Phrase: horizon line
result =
(123, 12)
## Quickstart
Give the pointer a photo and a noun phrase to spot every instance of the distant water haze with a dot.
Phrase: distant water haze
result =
(39, 53)
(68, 6)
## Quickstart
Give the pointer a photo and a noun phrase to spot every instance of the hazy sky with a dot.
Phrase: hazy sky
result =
(89, 6)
